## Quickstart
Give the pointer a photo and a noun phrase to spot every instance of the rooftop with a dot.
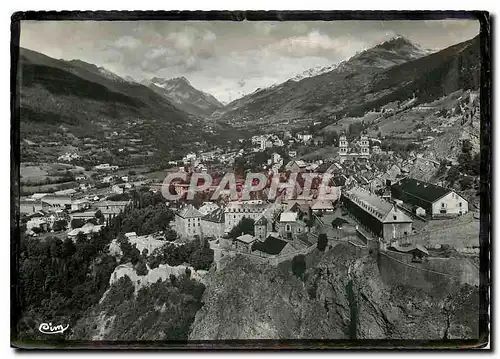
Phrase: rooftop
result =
(216, 216)
(271, 245)
(190, 212)
(365, 198)
(288, 217)
(246, 238)
(423, 190)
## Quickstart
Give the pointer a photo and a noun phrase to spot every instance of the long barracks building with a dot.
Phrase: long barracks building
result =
(383, 219)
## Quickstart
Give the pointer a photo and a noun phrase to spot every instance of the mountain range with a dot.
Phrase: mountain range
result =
(394, 70)
(67, 101)
(182, 94)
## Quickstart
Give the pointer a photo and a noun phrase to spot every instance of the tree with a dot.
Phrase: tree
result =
(59, 225)
(244, 226)
(299, 266)
(77, 223)
(99, 216)
(170, 235)
(453, 175)
(322, 242)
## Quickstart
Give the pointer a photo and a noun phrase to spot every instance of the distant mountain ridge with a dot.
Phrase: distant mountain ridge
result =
(184, 95)
(393, 70)
(63, 100)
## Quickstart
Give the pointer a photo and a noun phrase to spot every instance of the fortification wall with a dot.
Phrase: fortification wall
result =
(433, 275)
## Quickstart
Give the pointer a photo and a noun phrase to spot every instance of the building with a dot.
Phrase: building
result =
(260, 228)
(291, 224)
(188, 222)
(111, 208)
(236, 210)
(212, 224)
(435, 200)
(271, 247)
(52, 202)
(381, 218)
(30, 205)
(323, 206)
(79, 204)
(87, 229)
(208, 207)
(244, 243)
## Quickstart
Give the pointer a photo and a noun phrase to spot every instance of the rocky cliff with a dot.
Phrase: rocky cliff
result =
(342, 296)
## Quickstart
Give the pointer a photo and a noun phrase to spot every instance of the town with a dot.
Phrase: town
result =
(373, 202)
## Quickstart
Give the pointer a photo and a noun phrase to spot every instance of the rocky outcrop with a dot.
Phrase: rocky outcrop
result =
(247, 300)
(342, 296)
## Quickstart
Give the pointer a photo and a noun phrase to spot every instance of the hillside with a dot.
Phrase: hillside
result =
(73, 103)
(182, 94)
(393, 71)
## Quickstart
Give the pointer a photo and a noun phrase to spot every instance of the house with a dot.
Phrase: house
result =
(318, 140)
(381, 218)
(244, 243)
(212, 224)
(79, 204)
(87, 229)
(271, 247)
(322, 206)
(188, 222)
(291, 224)
(118, 189)
(37, 221)
(260, 228)
(435, 200)
(296, 166)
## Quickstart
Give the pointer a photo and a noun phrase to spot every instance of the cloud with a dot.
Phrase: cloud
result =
(127, 42)
(227, 58)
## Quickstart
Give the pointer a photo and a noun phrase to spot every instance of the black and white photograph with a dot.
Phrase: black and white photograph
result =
(251, 180)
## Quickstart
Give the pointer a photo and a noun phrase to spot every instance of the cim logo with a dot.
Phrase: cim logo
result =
(49, 329)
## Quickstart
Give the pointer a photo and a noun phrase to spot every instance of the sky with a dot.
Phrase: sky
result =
(224, 58)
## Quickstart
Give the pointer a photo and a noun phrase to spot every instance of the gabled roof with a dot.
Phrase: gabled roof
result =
(322, 205)
(271, 245)
(262, 220)
(190, 212)
(423, 190)
(216, 216)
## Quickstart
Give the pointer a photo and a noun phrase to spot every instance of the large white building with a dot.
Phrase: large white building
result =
(188, 222)
(236, 210)
(435, 200)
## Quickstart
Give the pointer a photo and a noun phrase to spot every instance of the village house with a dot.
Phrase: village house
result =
(296, 166)
(212, 224)
(377, 216)
(291, 224)
(87, 229)
(244, 243)
(188, 222)
(435, 200)
(79, 204)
